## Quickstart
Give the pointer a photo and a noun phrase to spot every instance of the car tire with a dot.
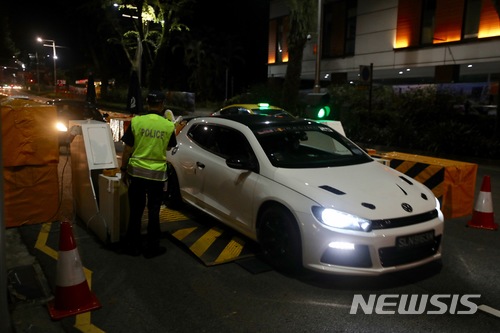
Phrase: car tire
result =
(279, 238)
(172, 197)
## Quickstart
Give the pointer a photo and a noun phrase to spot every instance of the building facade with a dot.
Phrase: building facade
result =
(403, 41)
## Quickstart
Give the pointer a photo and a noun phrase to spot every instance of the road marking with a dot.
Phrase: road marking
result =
(41, 241)
(82, 320)
(82, 323)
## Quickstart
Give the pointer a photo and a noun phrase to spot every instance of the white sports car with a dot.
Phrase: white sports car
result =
(308, 195)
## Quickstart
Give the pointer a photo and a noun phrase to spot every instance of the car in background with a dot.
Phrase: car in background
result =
(7, 99)
(11, 86)
(69, 109)
(307, 194)
(474, 108)
(259, 108)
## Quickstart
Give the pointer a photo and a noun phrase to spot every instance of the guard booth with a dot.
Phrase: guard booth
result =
(99, 196)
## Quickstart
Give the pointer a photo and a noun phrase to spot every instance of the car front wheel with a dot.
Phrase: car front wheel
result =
(279, 238)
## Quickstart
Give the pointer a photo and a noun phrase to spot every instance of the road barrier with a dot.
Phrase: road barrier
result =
(452, 182)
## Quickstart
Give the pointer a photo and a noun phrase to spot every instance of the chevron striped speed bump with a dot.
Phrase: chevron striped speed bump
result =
(483, 216)
(72, 292)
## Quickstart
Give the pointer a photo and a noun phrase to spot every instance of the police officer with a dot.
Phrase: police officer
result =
(144, 170)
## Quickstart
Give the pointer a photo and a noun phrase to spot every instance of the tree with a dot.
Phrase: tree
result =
(145, 39)
(198, 56)
(95, 54)
(301, 22)
(7, 47)
(170, 13)
(210, 58)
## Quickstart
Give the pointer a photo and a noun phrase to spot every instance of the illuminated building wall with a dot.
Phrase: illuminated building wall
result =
(449, 14)
(279, 29)
(404, 40)
(489, 25)
(408, 23)
(448, 22)
(271, 52)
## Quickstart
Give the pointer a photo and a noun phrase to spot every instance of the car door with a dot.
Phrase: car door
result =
(191, 162)
(228, 193)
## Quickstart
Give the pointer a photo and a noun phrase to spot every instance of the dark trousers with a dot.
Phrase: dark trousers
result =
(140, 191)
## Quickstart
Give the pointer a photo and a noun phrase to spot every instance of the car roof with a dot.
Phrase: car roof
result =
(259, 108)
(260, 121)
(253, 106)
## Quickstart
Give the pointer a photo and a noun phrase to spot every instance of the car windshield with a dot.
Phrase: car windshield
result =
(308, 146)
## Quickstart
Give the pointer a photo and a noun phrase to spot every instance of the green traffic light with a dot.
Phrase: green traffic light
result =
(323, 112)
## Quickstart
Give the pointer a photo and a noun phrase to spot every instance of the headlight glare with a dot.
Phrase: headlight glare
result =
(61, 127)
(438, 207)
(342, 246)
(337, 219)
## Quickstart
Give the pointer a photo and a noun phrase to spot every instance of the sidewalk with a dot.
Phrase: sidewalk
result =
(28, 289)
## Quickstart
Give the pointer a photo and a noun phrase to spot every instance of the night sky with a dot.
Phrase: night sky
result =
(247, 22)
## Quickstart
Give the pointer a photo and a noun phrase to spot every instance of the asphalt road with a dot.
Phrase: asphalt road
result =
(178, 292)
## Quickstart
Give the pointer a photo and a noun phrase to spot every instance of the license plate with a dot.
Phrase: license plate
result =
(405, 242)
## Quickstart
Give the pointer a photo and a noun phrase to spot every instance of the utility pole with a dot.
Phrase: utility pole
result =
(317, 85)
(37, 73)
(54, 57)
(370, 91)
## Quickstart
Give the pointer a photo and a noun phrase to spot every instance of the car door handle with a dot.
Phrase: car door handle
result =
(200, 165)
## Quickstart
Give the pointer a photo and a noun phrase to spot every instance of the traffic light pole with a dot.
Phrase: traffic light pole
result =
(370, 91)
(317, 85)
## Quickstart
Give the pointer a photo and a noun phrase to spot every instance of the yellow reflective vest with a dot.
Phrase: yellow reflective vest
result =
(149, 157)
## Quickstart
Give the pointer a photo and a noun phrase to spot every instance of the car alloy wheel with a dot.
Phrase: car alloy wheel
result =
(279, 238)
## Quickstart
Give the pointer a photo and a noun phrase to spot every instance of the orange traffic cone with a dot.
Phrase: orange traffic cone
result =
(483, 216)
(72, 294)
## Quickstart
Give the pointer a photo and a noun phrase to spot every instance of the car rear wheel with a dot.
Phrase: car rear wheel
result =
(172, 196)
(279, 238)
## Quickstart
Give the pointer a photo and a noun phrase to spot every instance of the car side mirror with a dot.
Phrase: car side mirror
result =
(242, 163)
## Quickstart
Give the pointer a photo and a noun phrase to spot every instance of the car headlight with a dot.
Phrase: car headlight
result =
(61, 127)
(337, 219)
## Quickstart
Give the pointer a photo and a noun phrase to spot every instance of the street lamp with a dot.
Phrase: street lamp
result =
(54, 56)
(37, 72)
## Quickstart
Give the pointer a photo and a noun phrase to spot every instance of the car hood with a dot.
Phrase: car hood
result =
(370, 190)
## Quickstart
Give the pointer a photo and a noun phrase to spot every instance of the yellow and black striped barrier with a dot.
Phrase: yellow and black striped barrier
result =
(211, 242)
(430, 175)
(452, 182)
